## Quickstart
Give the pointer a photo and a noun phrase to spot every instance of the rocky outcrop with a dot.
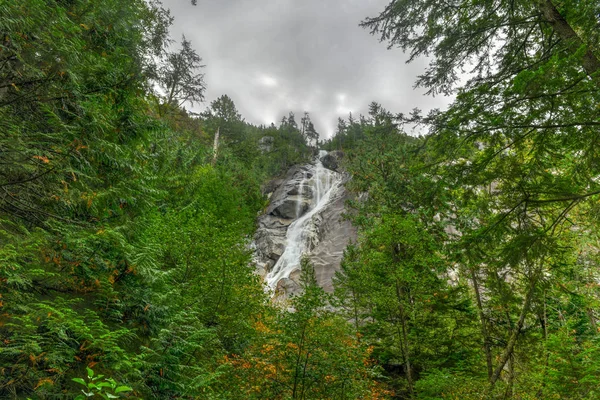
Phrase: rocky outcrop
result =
(310, 199)
(335, 233)
(265, 144)
(332, 160)
(270, 237)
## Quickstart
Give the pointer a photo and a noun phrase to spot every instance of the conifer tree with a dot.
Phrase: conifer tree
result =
(179, 78)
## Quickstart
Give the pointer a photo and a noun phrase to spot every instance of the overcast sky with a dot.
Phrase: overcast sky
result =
(276, 56)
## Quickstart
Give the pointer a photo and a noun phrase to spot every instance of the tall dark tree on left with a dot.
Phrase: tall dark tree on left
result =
(75, 172)
(178, 77)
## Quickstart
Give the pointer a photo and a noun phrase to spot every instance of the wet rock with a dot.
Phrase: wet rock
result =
(281, 187)
(302, 189)
(269, 238)
(287, 287)
(325, 237)
(290, 208)
(332, 160)
(270, 243)
(335, 233)
(272, 222)
(271, 186)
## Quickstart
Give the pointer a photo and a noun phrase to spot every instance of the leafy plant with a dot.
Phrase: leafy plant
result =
(106, 388)
(99, 386)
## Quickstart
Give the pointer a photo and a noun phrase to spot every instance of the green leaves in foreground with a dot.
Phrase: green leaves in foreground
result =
(96, 386)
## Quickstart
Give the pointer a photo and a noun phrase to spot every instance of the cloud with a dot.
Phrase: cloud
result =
(267, 81)
(272, 57)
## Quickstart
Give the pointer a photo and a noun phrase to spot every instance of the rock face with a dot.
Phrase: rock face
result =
(265, 144)
(270, 237)
(335, 233)
(304, 218)
(332, 159)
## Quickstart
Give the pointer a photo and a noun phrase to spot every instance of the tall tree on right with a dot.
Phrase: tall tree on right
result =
(497, 39)
(517, 153)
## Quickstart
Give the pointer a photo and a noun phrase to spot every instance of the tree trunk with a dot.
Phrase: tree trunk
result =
(404, 342)
(592, 317)
(484, 331)
(515, 333)
(298, 361)
(216, 147)
(508, 394)
(590, 63)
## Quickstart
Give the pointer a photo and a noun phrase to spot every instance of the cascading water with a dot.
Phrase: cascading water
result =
(302, 234)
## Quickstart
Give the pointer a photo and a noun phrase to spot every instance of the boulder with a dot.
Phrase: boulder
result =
(332, 160)
(290, 208)
(303, 189)
(270, 243)
(287, 287)
(271, 186)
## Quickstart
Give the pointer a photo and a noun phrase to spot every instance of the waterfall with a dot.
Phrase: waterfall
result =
(302, 234)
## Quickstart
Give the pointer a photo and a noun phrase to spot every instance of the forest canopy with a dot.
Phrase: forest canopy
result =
(126, 219)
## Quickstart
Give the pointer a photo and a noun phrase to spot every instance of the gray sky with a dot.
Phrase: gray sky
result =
(276, 56)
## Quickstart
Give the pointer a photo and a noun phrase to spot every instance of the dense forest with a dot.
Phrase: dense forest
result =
(126, 220)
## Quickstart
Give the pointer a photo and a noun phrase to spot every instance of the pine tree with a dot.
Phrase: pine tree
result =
(179, 78)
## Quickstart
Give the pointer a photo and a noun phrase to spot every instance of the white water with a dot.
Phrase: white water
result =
(302, 234)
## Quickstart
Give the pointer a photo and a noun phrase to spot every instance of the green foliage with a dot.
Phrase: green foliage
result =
(124, 241)
(505, 188)
(223, 115)
(102, 224)
(122, 247)
(309, 353)
(178, 77)
(348, 135)
(395, 286)
(106, 388)
(74, 130)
